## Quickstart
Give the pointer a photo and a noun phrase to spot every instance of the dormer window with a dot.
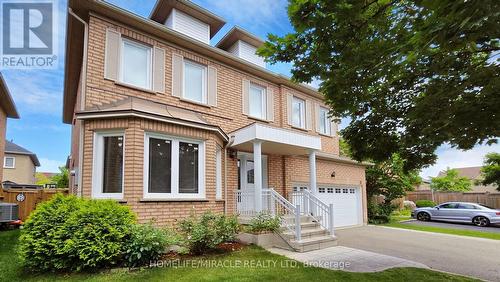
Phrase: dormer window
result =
(242, 44)
(187, 18)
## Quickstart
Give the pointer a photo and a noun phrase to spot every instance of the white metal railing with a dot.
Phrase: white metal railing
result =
(314, 207)
(273, 203)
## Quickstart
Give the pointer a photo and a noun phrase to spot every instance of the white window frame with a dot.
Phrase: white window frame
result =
(204, 97)
(328, 125)
(218, 173)
(174, 177)
(263, 101)
(149, 76)
(98, 165)
(302, 114)
(5, 162)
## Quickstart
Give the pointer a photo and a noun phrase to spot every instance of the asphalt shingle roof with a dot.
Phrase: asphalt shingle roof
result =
(16, 149)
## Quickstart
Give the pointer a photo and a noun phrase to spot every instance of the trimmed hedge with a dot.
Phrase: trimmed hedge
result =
(425, 203)
(70, 233)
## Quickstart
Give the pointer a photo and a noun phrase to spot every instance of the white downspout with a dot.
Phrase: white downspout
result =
(231, 139)
(82, 99)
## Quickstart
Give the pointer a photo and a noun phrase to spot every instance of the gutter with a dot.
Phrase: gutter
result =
(82, 99)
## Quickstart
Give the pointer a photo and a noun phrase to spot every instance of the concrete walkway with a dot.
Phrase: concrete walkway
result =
(348, 259)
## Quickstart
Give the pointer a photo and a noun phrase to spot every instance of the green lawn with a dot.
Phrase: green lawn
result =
(11, 270)
(397, 217)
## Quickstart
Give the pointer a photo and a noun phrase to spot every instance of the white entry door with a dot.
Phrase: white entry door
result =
(247, 171)
(246, 178)
(347, 208)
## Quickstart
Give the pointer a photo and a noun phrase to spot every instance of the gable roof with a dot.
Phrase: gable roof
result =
(470, 172)
(15, 149)
(6, 102)
(163, 8)
(237, 33)
(75, 39)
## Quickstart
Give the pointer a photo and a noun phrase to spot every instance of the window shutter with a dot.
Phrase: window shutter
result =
(112, 54)
(246, 90)
(334, 128)
(177, 74)
(159, 70)
(289, 99)
(309, 115)
(316, 116)
(212, 86)
(270, 104)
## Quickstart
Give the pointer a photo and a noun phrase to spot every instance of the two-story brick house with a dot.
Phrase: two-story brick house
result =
(171, 125)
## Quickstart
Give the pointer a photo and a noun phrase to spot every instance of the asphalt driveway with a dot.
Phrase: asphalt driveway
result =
(457, 254)
(463, 226)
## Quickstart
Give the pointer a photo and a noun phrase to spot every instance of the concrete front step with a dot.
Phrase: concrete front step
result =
(307, 233)
(303, 226)
(314, 243)
(303, 219)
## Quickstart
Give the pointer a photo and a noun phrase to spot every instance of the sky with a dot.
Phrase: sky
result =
(38, 93)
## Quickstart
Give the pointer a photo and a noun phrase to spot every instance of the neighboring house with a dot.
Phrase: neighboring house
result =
(19, 164)
(7, 110)
(170, 125)
(474, 174)
(424, 186)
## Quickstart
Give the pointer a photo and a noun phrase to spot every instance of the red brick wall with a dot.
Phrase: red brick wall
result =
(283, 171)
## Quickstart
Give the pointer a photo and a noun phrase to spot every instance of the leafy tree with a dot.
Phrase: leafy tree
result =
(345, 150)
(491, 170)
(451, 181)
(62, 178)
(411, 75)
(42, 179)
(390, 180)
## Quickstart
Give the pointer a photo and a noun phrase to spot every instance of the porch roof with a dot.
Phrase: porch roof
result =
(274, 140)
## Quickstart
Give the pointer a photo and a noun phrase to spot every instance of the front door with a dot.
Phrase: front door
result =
(246, 178)
(247, 173)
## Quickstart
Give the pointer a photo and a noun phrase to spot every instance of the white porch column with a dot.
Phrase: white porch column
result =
(257, 166)
(312, 171)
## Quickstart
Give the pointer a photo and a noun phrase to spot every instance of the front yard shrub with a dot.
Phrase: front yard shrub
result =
(147, 243)
(379, 213)
(425, 203)
(204, 233)
(264, 222)
(69, 233)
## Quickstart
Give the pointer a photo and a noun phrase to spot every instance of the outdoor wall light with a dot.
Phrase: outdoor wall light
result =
(333, 173)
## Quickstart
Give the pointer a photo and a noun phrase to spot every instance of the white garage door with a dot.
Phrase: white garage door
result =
(346, 204)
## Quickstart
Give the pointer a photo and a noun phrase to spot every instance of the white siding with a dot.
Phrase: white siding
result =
(247, 52)
(189, 26)
(235, 49)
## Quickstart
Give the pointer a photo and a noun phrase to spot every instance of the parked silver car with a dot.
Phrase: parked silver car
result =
(479, 215)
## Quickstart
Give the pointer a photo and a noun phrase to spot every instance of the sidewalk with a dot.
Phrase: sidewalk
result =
(348, 259)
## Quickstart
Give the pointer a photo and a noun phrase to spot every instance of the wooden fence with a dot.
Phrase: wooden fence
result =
(27, 199)
(485, 198)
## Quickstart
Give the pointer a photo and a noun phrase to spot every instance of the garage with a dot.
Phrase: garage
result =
(346, 200)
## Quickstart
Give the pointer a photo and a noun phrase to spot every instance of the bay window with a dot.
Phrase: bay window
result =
(173, 167)
(136, 64)
(298, 112)
(257, 101)
(195, 82)
(107, 174)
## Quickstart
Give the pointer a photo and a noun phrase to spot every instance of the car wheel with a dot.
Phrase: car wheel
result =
(481, 221)
(423, 216)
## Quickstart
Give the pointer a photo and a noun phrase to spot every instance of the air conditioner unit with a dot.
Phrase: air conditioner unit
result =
(8, 212)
